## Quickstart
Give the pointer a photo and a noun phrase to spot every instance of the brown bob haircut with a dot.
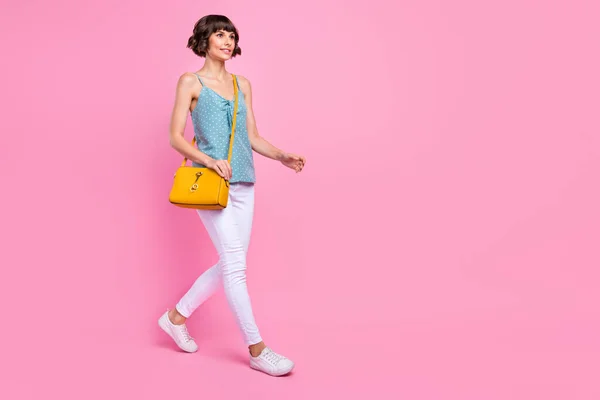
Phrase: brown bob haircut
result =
(205, 27)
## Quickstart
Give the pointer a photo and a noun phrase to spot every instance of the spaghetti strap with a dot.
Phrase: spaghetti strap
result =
(200, 79)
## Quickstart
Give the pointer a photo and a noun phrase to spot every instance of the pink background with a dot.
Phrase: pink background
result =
(441, 243)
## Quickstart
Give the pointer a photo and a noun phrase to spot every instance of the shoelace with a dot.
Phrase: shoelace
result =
(273, 357)
(184, 333)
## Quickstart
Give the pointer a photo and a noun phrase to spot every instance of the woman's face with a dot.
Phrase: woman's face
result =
(221, 45)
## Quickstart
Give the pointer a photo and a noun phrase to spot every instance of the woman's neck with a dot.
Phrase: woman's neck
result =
(214, 69)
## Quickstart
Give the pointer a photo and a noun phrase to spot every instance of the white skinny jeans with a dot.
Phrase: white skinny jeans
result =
(229, 229)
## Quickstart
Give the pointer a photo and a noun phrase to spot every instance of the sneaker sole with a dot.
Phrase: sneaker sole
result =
(268, 373)
(163, 325)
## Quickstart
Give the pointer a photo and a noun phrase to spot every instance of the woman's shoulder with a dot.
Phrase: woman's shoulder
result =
(244, 82)
(188, 79)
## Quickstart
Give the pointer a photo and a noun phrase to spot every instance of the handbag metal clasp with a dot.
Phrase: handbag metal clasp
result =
(194, 186)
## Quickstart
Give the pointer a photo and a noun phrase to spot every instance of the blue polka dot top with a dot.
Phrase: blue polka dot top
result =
(212, 118)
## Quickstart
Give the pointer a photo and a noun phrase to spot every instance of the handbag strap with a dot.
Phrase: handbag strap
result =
(235, 107)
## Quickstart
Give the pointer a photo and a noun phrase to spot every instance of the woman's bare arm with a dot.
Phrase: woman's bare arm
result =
(183, 98)
(259, 143)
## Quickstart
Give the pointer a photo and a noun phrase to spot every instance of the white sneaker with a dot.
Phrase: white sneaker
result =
(271, 363)
(178, 333)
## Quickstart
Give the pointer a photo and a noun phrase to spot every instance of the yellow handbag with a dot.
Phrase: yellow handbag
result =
(202, 187)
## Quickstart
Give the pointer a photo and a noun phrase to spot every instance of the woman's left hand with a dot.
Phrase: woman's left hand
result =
(293, 161)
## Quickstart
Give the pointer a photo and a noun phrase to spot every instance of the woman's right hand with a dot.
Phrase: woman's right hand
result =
(221, 167)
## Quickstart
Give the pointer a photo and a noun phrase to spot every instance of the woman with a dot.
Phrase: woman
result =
(208, 95)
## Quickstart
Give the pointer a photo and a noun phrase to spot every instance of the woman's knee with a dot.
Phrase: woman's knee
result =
(233, 256)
